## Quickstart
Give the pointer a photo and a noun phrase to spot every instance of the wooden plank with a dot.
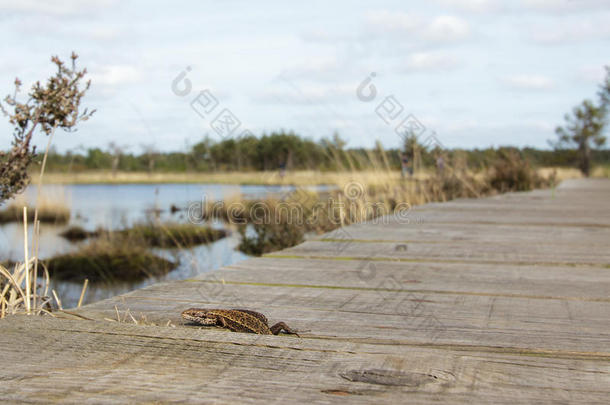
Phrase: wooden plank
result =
(493, 300)
(389, 230)
(567, 283)
(414, 317)
(453, 252)
(129, 361)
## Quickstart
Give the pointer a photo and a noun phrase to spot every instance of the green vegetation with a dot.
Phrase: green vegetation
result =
(173, 235)
(270, 152)
(280, 224)
(124, 255)
(46, 214)
(108, 261)
(511, 173)
(166, 235)
(76, 233)
(584, 128)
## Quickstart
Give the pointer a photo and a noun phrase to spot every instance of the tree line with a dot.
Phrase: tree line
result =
(288, 150)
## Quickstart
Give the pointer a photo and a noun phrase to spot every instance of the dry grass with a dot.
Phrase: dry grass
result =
(299, 178)
(601, 171)
(109, 259)
(19, 290)
(52, 208)
(127, 317)
(560, 173)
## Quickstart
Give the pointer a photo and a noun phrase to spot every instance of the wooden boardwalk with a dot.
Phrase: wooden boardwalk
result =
(497, 300)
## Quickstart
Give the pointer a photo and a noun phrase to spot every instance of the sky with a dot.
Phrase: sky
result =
(472, 73)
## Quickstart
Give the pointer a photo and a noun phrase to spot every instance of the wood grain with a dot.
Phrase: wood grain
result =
(497, 300)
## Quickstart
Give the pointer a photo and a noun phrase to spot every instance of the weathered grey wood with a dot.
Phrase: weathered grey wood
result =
(413, 317)
(454, 252)
(561, 282)
(497, 300)
(165, 364)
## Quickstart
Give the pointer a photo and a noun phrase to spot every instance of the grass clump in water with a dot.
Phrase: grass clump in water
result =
(76, 233)
(109, 260)
(54, 214)
(171, 235)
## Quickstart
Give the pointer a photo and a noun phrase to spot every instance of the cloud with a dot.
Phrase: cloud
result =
(102, 33)
(444, 28)
(564, 6)
(529, 82)
(388, 21)
(113, 75)
(476, 6)
(570, 31)
(56, 7)
(591, 74)
(317, 66)
(447, 28)
(431, 61)
(307, 95)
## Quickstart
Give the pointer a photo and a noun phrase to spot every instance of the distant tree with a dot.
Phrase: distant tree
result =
(53, 105)
(584, 127)
(116, 151)
(151, 153)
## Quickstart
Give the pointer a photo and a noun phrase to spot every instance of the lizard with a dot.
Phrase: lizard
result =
(237, 320)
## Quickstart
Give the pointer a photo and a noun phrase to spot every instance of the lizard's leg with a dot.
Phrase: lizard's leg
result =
(278, 327)
(220, 321)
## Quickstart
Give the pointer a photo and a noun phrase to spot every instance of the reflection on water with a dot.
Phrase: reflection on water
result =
(118, 206)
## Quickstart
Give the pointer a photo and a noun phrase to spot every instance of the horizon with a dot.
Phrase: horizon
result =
(477, 73)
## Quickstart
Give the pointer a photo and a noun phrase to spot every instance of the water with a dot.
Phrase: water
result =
(119, 206)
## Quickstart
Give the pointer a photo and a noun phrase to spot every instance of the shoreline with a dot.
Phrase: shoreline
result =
(297, 178)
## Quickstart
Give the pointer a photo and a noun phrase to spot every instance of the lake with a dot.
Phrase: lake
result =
(117, 206)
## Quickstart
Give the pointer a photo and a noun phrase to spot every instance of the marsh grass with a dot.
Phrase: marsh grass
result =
(50, 210)
(602, 171)
(172, 235)
(19, 289)
(76, 233)
(16, 292)
(124, 255)
(509, 172)
(109, 259)
(356, 200)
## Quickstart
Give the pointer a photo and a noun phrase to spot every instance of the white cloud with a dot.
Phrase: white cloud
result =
(431, 61)
(115, 74)
(102, 33)
(564, 6)
(444, 28)
(313, 67)
(384, 20)
(529, 82)
(56, 7)
(591, 74)
(447, 28)
(477, 6)
(570, 31)
(308, 95)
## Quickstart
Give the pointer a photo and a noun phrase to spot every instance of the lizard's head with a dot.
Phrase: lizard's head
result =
(199, 315)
